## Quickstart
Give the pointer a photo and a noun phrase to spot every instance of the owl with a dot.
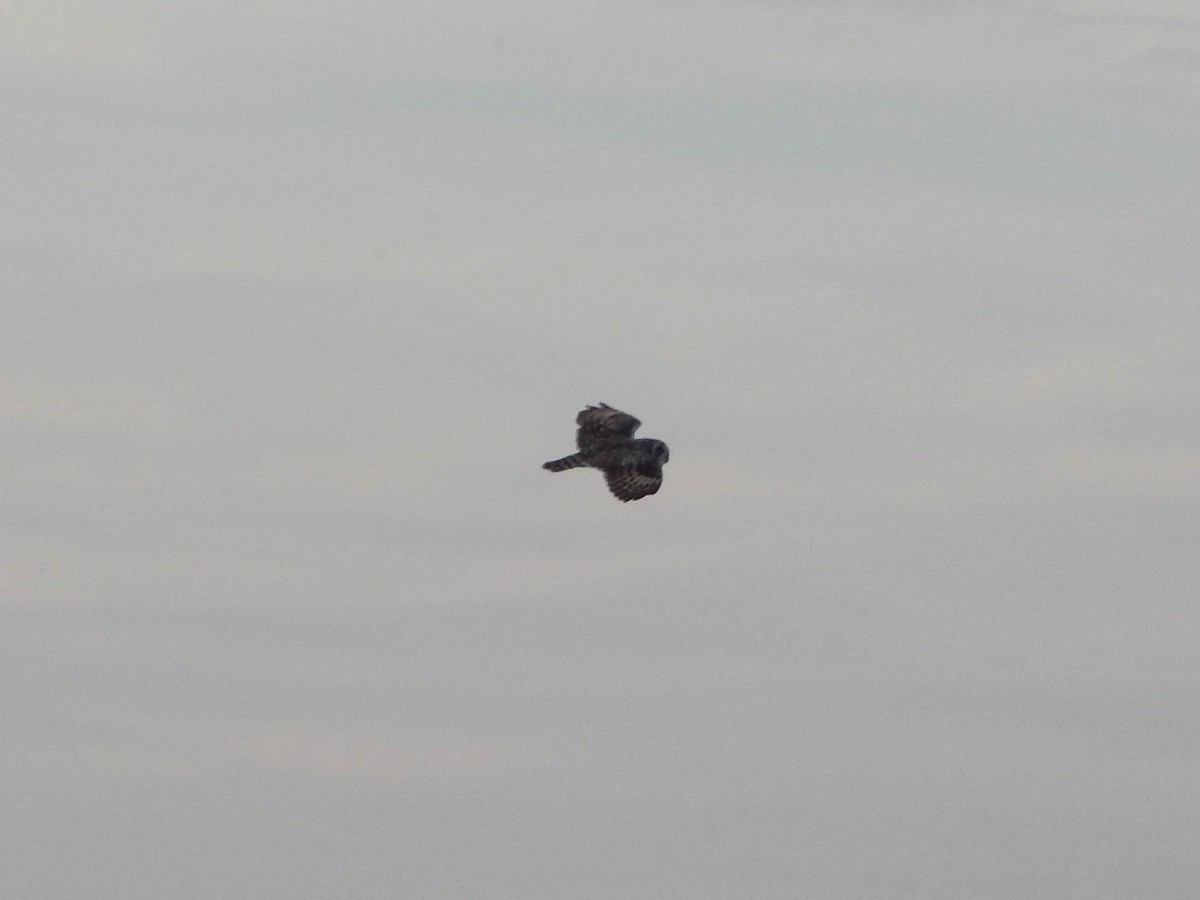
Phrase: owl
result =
(631, 466)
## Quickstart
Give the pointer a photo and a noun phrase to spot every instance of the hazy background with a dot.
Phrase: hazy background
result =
(298, 296)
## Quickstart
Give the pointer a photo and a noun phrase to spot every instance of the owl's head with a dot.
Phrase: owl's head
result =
(660, 451)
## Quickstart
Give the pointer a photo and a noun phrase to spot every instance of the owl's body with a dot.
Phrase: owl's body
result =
(632, 467)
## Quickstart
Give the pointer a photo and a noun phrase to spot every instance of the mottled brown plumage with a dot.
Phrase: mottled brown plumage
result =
(632, 467)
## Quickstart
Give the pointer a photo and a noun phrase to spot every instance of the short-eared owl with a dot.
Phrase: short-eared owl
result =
(632, 467)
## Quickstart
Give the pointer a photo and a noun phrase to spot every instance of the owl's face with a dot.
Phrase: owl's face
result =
(660, 451)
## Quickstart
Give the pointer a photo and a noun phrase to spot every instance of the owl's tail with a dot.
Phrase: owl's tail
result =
(574, 461)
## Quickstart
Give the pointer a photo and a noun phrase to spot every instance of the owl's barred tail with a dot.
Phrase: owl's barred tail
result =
(574, 461)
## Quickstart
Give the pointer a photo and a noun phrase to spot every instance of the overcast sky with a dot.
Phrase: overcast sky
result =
(298, 297)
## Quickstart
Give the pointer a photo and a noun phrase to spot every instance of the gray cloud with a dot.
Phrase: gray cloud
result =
(299, 301)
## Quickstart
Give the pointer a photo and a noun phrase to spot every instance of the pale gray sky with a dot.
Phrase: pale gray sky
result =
(299, 296)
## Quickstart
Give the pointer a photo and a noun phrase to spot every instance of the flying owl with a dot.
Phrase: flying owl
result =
(632, 467)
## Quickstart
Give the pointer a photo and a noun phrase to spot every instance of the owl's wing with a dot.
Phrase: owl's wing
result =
(634, 480)
(600, 425)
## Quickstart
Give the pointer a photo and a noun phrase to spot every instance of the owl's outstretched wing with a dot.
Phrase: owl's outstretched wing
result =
(635, 479)
(602, 425)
